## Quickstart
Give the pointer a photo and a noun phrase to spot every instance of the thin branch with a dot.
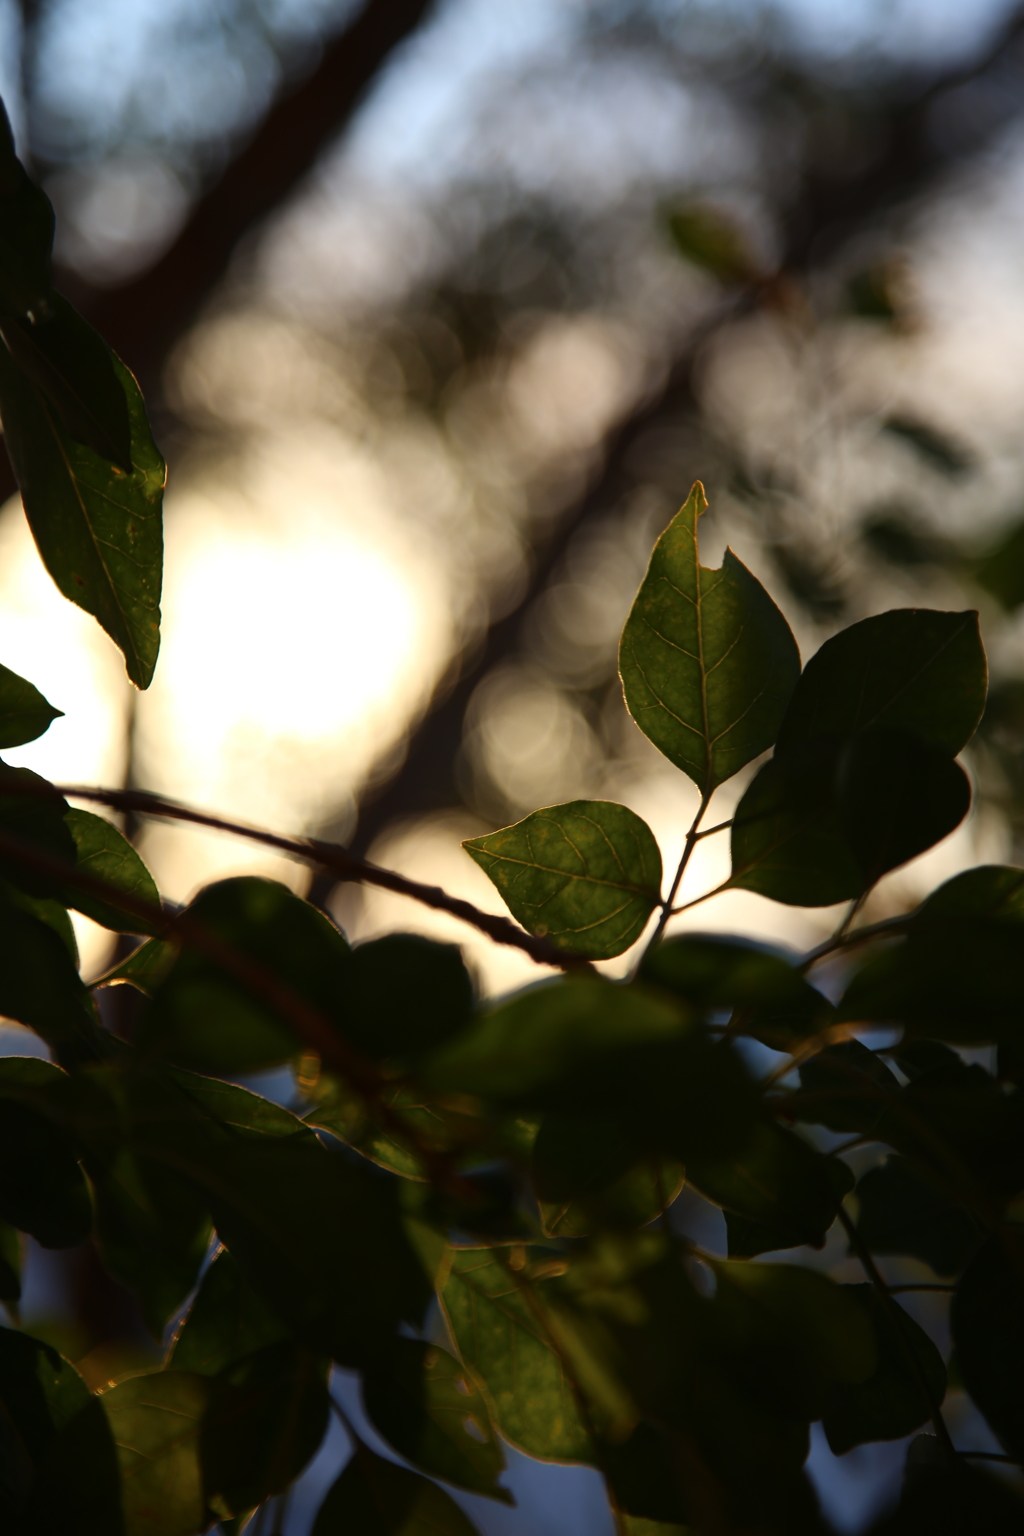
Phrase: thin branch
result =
(722, 826)
(343, 865)
(900, 1320)
(881, 930)
(688, 847)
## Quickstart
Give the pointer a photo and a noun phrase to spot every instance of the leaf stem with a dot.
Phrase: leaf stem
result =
(841, 940)
(691, 840)
(899, 1318)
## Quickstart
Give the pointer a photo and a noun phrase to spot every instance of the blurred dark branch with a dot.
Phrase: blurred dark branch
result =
(824, 211)
(143, 319)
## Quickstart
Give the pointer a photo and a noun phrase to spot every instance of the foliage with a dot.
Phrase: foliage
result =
(517, 1162)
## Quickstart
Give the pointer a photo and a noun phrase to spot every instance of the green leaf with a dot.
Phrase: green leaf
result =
(956, 979)
(264, 1421)
(951, 1497)
(987, 1319)
(822, 821)
(989, 890)
(710, 239)
(429, 1407)
(375, 1497)
(49, 911)
(793, 1335)
(32, 814)
(405, 995)
(707, 661)
(24, 713)
(890, 1402)
(10, 1263)
(226, 1322)
(206, 1018)
(145, 968)
(64, 1463)
(40, 987)
(498, 1325)
(776, 1180)
(769, 998)
(644, 1479)
(587, 1176)
(97, 528)
(911, 669)
(156, 1420)
(900, 1213)
(542, 1037)
(27, 222)
(586, 875)
(102, 852)
(847, 1088)
(42, 1188)
(72, 365)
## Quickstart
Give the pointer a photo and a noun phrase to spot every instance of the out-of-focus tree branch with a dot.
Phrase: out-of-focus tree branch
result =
(824, 212)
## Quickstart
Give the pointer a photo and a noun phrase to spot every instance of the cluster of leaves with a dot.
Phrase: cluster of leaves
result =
(517, 1162)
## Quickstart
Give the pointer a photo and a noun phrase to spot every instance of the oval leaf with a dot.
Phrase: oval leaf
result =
(912, 669)
(988, 1330)
(707, 661)
(155, 1420)
(98, 530)
(375, 1497)
(24, 713)
(587, 875)
(102, 852)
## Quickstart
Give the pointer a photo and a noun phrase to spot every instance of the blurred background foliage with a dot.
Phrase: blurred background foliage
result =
(441, 308)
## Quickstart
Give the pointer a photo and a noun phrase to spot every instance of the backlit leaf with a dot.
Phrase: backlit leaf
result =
(97, 528)
(587, 1176)
(768, 997)
(155, 1420)
(911, 669)
(502, 1337)
(378, 1498)
(777, 1180)
(587, 874)
(104, 854)
(708, 662)
(145, 968)
(406, 994)
(67, 1477)
(40, 987)
(42, 1188)
(428, 1406)
(24, 713)
(226, 1322)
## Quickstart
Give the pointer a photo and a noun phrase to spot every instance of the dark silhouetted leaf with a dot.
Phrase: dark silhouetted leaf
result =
(645, 1482)
(63, 356)
(911, 669)
(777, 1180)
(824, 820)
(900, 1213)
(769, 998)
(40, 987)
(793, 1335)
(988, 1330)
(587, 1176)
(226, 1322)
(431, 1410)
(890, 1402)
(156, 1420)
(26, 221)
(32, 814)
(42, 1188)
(104, 854)
(204, 1017)
(97, 528)
(954, 1498)
(264, 1420)
(378, 1498)
(846, 1087)
(587, 874)
(24, 713)
(406, 994)
(499, 1331)
(10, 1263)
(64, 1461)
(708, 662)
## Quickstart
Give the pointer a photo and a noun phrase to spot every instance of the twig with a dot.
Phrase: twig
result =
(889, 925)
(899, 1318)
(331, 856)
(688, 846)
